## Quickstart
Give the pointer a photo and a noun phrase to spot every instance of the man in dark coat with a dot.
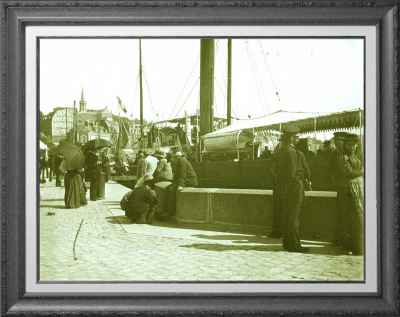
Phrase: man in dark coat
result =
(94, 174)
(103, 174)
(184, 175)
(277, 198)
(291, 174)
(351, 197)
(139, 204)
(337, 183)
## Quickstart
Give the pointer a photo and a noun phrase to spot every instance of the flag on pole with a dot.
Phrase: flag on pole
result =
(121, 106)
(123, 135)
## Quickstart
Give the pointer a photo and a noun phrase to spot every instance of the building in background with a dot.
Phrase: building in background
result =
(83, 124)
(62, 123)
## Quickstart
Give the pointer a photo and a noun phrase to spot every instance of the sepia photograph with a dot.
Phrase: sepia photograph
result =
(201, 159)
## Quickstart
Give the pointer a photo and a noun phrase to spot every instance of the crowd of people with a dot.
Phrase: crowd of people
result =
(49, 162)
(292, 177)
(95, 172)
(139, 204)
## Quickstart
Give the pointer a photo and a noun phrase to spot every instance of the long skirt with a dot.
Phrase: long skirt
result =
(75, 195)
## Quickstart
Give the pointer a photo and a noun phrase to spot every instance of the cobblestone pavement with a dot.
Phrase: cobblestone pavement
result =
(109, 248)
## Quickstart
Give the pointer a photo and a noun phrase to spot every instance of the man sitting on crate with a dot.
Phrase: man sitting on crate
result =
(140, 203)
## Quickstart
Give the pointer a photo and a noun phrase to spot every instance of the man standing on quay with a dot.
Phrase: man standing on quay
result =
(351, 196)
(338, 185)
(291, 174)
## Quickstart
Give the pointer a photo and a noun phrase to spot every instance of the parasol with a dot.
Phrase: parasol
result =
(73, 156)
(97, 144)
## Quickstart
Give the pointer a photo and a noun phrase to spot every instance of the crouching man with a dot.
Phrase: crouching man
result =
(140, 203)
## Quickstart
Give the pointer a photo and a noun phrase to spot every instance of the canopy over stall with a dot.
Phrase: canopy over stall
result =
(241, 134)
(221, 140)
(266, 122)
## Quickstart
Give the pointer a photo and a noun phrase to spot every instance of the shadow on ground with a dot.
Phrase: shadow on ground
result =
(118, 220)
(53, 206)
(264, 245)
(227, 247)
(236, 238)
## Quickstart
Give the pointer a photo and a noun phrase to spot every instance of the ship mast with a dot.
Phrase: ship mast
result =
(141, 89)
(229, 85)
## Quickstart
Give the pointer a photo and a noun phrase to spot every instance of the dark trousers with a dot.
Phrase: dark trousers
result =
(44, 173)
(102, 185)
(97, 186)
(171, 200)
(277, 210)
(93, 191)
(350, 222)
(291, 218)
(51, 173)
(58, 178)
(342, 228)
(357, 232)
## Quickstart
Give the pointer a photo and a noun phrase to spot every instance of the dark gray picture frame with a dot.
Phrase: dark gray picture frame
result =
(16, 15)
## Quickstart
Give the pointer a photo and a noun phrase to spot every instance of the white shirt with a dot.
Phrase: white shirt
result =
(150, 165)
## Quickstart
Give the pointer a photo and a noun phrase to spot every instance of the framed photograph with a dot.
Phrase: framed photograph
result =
(198, 157)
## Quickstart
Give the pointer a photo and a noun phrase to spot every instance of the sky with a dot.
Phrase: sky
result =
(308, 75)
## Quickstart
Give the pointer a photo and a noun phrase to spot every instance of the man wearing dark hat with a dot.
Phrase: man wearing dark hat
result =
(351, 196)
(290, 173)
(338, 139)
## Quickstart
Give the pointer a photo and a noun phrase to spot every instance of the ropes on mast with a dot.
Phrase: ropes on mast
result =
(149, 94)
(187, 98)
(254, 70)
(268, 68)
(175, 107)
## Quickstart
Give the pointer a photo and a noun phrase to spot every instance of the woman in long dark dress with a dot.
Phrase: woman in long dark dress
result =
(75, 192)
